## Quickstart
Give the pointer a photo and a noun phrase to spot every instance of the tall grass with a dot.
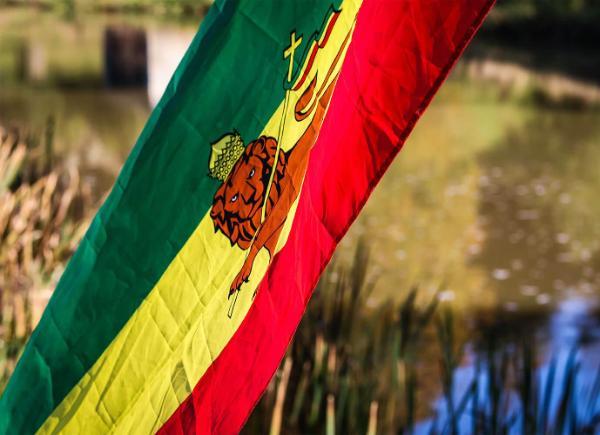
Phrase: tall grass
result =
(43, 212)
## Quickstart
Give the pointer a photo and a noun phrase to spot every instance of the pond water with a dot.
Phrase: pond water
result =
(493, 198)
(493, 201)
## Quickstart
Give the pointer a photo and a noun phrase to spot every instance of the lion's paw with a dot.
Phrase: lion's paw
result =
(242, 277)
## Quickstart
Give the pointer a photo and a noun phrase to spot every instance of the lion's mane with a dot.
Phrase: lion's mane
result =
(238, 228)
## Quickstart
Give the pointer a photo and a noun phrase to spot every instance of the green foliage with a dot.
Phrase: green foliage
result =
(197, 7)
(552, 8)
(567, 25)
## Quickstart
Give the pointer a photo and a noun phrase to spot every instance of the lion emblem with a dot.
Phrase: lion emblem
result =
(237, 205)
(242, 210)
(260, 180)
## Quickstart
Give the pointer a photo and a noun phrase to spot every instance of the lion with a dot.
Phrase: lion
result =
(238, 204)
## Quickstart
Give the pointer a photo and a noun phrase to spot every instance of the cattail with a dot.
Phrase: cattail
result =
(281, 393)
(330, 430)
(300, 394)
(372, 428)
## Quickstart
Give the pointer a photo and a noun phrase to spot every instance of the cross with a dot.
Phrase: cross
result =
(289, 52)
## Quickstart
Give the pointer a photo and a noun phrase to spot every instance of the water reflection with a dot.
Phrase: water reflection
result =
(564, 350)
(537, 210)
(125, 57)
(166, 47)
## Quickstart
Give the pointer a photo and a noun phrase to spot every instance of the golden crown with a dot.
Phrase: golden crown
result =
(224, 154)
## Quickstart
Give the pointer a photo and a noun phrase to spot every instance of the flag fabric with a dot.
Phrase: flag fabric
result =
(179, 303)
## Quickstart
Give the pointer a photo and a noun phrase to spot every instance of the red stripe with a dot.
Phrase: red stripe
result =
(399, 56)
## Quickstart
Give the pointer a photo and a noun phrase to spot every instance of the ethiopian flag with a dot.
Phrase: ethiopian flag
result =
(181, 299)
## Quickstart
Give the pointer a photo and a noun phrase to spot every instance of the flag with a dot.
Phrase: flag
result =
(179, 303)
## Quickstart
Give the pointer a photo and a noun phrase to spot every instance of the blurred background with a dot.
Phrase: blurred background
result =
(466, 297)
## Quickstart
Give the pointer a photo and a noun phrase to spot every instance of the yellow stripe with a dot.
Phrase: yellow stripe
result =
(182, 326)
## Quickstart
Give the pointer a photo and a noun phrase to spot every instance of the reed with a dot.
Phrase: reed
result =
(280, 398)
(44, 209)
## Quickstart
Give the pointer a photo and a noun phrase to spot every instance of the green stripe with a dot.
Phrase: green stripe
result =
(231, 77)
